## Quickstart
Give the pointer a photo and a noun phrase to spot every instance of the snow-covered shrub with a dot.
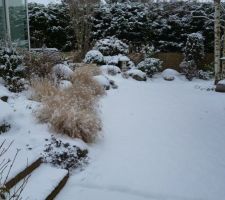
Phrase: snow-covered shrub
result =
(150, 66)
(194, 49)
(111, 46)
(64, 155)
(110, 69)
(193, 55)
(94, 56)
(40, 64)
(189, 69)
(73, 111)
(205, 75)
(62, 71)
(11, 69)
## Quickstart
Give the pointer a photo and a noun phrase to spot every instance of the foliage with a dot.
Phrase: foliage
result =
(94, 56)
(64, 155)
(111, 46)
(51, 25)
(193, 55)
(73, 111)
(11, 69)
(40, 64)
(150, 66)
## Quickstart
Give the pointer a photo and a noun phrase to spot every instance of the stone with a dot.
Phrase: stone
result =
(4, 98)
(220, 88)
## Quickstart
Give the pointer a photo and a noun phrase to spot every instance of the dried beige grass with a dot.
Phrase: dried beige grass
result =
(73, 111)
(42, 88)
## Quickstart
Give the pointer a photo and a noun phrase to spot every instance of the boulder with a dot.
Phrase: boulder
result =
(220, 87)
(4, 98)
(136, 74)
(170, 74)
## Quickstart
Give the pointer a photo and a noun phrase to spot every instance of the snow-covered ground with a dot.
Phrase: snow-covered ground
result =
(161, 141)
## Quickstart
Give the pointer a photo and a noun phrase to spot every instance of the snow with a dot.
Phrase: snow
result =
(110, 69)
(45, 2)
(137, 72)
(222, 82)
(62, 71)
(102, 80)
(162, 141)
(42, 183)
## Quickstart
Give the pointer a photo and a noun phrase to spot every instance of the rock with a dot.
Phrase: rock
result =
(4, 98)
(220, 88)
(169, 78)
(136, 74)
(170, 74)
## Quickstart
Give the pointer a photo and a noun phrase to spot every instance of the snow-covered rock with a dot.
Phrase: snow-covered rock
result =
(220, 87)
(64, 84)
(137, 74)
(62, 71)
(103, 81)
(93, 56)
(114, 60)
(110, 69)
(170, 74)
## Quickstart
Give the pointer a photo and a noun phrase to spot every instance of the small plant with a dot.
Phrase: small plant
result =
(64, 155)
(150, 66)
(4, 127)
(205, 75)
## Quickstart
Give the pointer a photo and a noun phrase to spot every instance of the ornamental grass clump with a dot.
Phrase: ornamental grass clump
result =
(74, 110)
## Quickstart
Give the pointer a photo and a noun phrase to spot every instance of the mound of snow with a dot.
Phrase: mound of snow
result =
(64, 84)
(222, 82)
(103, 81)
(110, 69)
(114, 60)
(62, 71)
(137, 74)
(170, 74)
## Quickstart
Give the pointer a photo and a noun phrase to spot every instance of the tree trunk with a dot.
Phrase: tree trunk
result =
(217, 42)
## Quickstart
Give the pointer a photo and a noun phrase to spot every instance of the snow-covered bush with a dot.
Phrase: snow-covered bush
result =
(62, 71)
(189, 69)
(11, 69)
(205, 75)
(73, 111)
(150, 66)
(94, 56)
(40, 64)
(193, 55)
(64, 155)
(111, 46)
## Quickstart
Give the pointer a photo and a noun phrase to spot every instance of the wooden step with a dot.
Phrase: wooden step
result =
(21, 175)
(44, 183)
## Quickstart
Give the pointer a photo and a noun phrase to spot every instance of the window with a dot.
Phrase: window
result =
(13, 22)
